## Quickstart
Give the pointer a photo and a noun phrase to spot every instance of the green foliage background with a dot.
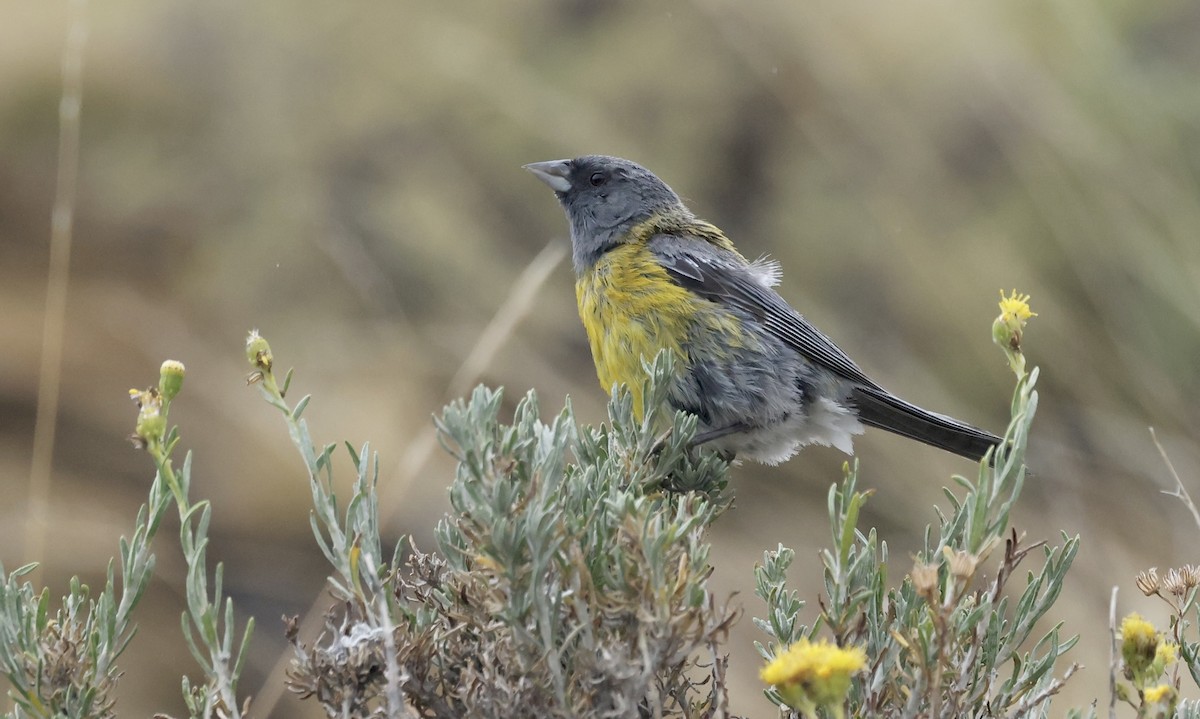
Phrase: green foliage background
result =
(346, 176)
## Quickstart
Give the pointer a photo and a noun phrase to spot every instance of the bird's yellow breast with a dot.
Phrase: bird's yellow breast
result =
(632, 310)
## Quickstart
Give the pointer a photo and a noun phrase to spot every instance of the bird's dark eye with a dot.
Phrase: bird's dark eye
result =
(597, 179)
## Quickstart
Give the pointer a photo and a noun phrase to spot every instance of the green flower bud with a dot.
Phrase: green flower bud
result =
(170, 379)
(151, 422)
(259, 352)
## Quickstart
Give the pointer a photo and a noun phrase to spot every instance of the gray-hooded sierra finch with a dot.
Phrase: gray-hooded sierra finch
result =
(762, 381)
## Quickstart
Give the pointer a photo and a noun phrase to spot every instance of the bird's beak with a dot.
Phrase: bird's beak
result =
(555, 173)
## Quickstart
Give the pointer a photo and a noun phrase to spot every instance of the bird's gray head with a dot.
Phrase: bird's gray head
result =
(604, 197)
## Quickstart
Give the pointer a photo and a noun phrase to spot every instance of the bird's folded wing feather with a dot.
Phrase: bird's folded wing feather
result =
(731, 284)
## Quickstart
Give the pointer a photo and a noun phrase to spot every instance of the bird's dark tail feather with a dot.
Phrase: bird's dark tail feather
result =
(878, 408)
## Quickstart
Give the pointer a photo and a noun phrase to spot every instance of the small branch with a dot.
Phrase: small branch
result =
(1180, 492)
(62, 220)
(516, 306)
(1026, 706)
(1112, 656)
(395, 676)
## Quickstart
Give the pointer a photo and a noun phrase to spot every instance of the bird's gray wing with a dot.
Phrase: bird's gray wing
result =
(725, 278)
(705, 271)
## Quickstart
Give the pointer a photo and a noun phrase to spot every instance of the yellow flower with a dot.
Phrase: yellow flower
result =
(1007, 329)
(1139, 642)
(1145, 653)
(1166, 653)
(809, 674)
(1015, 310)
(1136, 629)
(1160, 694)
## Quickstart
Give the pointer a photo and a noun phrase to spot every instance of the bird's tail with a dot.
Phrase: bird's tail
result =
(879, 408)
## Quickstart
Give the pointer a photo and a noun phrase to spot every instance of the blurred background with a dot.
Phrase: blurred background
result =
(346, 178)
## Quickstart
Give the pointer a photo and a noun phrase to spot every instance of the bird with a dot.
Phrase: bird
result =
(761, 380)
